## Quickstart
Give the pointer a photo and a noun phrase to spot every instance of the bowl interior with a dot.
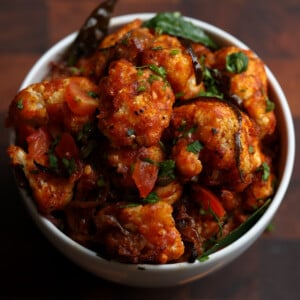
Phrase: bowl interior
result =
(165, 275)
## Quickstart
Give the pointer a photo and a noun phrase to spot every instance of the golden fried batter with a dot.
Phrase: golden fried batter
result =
(140, 234)
(168, 52)
(226, 135)
(250, 86)
(135, 105)
(66, 103)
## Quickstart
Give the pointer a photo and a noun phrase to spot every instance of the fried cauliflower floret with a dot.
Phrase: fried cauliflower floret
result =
(50, 192)
(187, 162)
(251, 87)
(167, 52)
(228, 149)
(129, 47)
(169, 193)
(135, 105)
(132, 45)
(140, 234)
(262, 186)
(66, 103)
(111, 39)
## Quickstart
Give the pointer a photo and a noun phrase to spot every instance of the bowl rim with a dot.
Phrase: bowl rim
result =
(53, 233)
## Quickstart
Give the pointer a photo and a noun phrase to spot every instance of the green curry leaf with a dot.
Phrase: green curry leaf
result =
(174, 24)
(238, 232)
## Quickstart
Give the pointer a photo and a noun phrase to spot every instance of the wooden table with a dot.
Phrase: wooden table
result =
(32, 269)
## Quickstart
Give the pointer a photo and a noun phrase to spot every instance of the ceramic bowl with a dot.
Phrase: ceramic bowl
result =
(179, 273)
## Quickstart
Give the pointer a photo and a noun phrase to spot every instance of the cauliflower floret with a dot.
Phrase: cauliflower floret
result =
(135, 105)
(140, 234)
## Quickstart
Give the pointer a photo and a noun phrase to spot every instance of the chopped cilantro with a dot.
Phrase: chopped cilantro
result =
(20, 104)
(166, 170)
(270, 106)
(92, 94)
(236, 62)
(157, 48)
(152, 78)
(174, 51)
(194, 147)
(70, 165)
(251, 149)
(141, 88)
(151, 198)
(161, 71)
(265, 171)
(53, 161)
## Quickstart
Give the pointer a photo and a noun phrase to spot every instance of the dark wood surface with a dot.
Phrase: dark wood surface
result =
(32, 269)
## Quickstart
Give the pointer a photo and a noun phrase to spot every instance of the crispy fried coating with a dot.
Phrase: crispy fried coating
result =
(166, 51)
(140, 234)
(51, 193)
(111, 39)
(226, 135)
(170, 192)
(250, 86)
(129, 47)
(135, 105)
(65, 103)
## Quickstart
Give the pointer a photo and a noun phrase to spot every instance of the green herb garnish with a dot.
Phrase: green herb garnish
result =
(53, 160)
(157, 48)
(210, 80)
(265, 171)
(20, 104)
(166, 172)
(161, 71)
(238, 232)
(84, 131)
(93, 94)
(270, 106)
(194, 147)
(174, 24)
(151, 198)
(174, 51)
(236, 62)
(251, 149)
(70, 165)
(141, 88)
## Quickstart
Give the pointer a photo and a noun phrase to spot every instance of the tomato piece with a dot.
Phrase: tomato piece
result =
(67, 147)
(38, 145)
(24, 131)
(144, 176)
(208, 200)
(81, 96)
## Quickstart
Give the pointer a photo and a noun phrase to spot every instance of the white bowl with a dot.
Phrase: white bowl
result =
(179, 273)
